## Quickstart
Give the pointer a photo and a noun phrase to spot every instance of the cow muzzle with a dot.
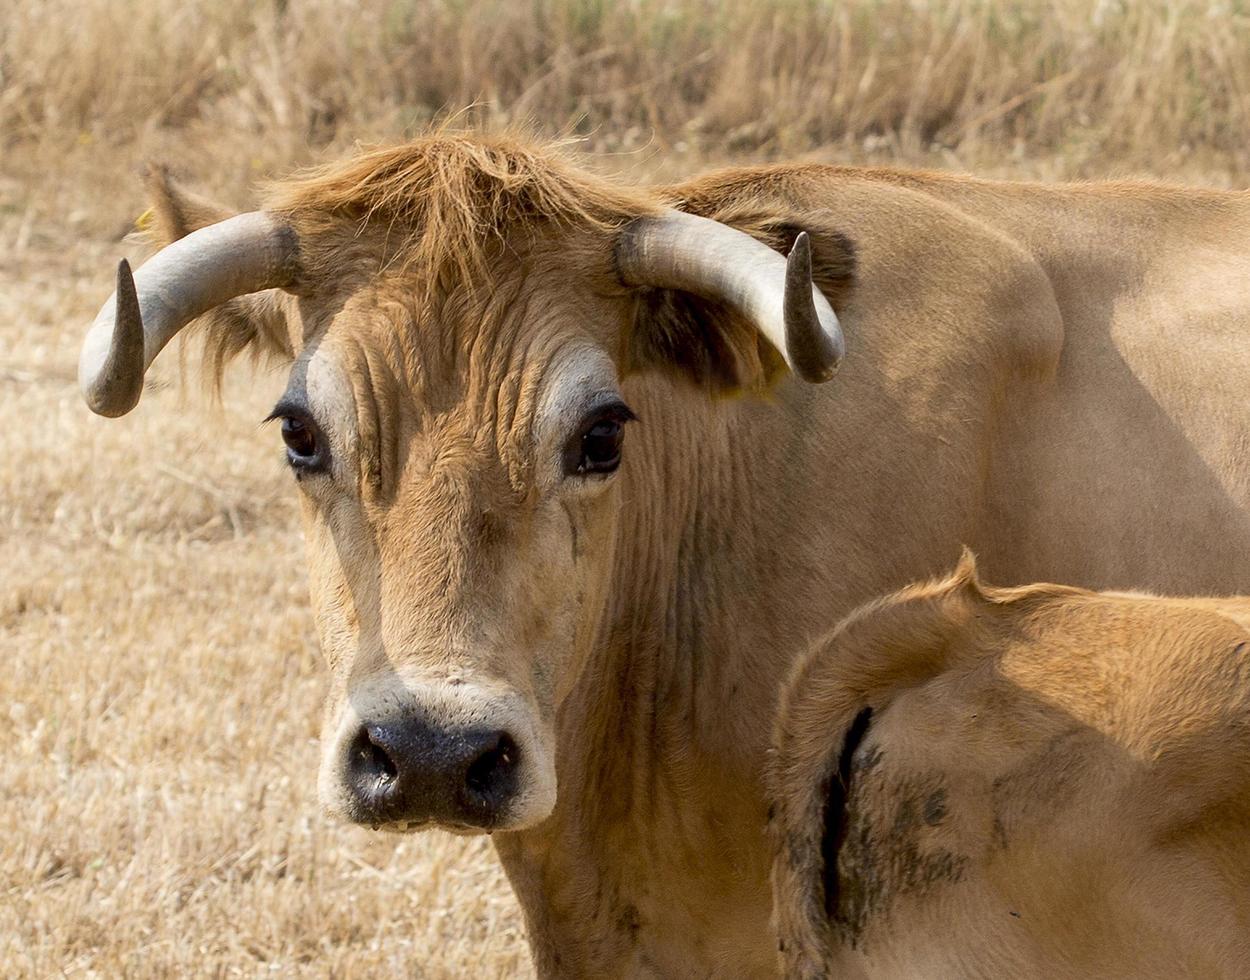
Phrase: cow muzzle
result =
(408, 757)
(412, 773)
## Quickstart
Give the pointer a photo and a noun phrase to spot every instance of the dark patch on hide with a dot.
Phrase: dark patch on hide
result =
(1041, 784)
(887, 850)
(999, 831)
(836, 794)
(935, 807)
(629, 922)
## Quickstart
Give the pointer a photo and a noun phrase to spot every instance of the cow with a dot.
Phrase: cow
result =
(576, 493)
(1039, 781)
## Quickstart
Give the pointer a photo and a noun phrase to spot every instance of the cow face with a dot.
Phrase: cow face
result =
(457, 492)
(459, 314)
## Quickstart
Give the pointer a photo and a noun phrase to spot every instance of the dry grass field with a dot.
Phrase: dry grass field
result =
(160, 687)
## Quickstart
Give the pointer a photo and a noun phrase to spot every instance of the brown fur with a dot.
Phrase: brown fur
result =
(1014, 380)
(1040, 760)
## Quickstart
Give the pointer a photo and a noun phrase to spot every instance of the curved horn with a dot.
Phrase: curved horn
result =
(243, 254)
(698, 255)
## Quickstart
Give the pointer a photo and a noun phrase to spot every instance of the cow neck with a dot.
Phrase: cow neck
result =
(662, 739)
(661, 723)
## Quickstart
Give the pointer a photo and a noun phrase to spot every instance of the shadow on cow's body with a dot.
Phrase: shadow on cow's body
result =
(1013, 382)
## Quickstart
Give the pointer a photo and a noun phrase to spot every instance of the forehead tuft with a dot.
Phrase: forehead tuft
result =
(448, 200)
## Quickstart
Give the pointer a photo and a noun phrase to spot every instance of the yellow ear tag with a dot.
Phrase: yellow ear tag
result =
(144, 221)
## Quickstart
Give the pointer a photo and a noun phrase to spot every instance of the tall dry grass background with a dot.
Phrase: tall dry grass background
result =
(159, 680)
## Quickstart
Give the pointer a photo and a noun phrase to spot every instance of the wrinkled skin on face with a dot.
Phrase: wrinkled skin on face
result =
(455, 561)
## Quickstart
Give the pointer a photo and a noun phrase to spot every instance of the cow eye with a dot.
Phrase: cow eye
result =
(304, 449)
(596, 448)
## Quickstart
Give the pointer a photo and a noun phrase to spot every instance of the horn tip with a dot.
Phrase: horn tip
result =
(813, 335)
(110, 368)
(125, 281)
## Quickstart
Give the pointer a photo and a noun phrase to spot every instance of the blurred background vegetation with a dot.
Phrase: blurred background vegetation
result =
(232, 90)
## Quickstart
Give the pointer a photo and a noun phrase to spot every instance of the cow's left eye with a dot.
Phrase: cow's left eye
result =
(596, 448)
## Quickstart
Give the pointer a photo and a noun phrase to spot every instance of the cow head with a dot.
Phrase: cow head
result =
(459, 315)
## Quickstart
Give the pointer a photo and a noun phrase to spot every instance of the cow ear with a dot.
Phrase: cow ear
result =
(254, 322)
(175, 211)
(704, 342)
(824, 714)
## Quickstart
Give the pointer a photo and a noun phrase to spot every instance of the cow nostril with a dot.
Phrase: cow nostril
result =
(488, 773)
(372, 759)
(411, 773)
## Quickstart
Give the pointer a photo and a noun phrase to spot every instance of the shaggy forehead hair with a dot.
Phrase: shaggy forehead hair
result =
(452, 198)
(440, 210)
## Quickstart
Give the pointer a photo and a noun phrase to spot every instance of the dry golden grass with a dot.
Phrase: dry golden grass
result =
(159, 702)
(230, 90)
